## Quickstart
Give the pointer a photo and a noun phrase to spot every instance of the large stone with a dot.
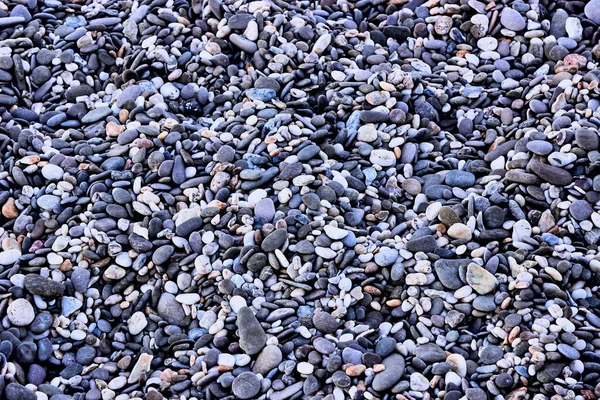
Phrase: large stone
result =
(20, 312)
(169, 309)
(43, 287)
(324, 322)
(511, 19)
(252, 335)
(394, 370)
(551, 174)
(383, 158)
(9, 257)
(448, 272)
(14, 391)
(274, 240)
(430, 353)
(246, 385)
(480, 279)
(270, 357)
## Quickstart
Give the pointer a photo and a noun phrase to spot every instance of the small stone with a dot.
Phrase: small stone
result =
(335, 233)
(9, 257)
(460, 231)
(484, 303)
(69, 305)
(377, 98)
(511, 19)
(592, 11)
(308, 152)
(430, 353)
(265, 208)
(367, 133)
(305, 368)
(236, 303)
(170, 310)
(52, 172)
(574, 28)
(261, 94)
(418, 382)
(493, 217)
(80, 278)
(480, 279)
(425, 244)
(462, 179)
(96, 115)
(274, 240)
(504, 381)
(188, 298)
(323, 346)
(443, 25)
(448, 216)
(162, 254)
(142, 365)
(270, 357)
(246, 385)
(137, 323)
(581, 210)
(383, 158)
(490, 354)
(324, 322)
(386, 256)
(20, 312)
(587, 139)
(322, 43)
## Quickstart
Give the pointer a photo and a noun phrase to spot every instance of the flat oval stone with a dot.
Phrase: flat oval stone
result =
(554, 175)
(540, 147)
(394, 370)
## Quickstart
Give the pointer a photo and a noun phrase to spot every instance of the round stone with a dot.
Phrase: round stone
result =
(246, 385)
(52, 172)
(581, 210)
(20, 312)
(324, 322)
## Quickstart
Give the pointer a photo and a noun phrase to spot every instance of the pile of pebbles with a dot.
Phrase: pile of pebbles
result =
(326, 199)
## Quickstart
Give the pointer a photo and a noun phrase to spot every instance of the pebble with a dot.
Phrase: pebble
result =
(324, 322)
(14, 391)
(246, 385)
(591, 11)
(9, 257)
(20, 312)
(270, 357)
(252, 335)
(394, 369)
(169, 309)
(512, 19)
(137, 323)
(481, 280)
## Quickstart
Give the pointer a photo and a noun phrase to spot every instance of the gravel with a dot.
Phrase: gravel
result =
(279, 200)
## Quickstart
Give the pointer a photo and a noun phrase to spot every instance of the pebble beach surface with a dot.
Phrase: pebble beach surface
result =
(331, 199)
